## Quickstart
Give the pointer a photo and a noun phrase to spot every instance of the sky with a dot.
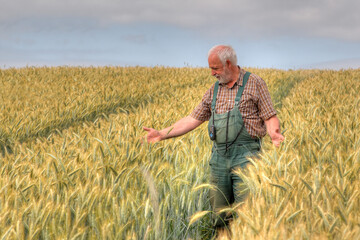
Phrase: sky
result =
(283, 34)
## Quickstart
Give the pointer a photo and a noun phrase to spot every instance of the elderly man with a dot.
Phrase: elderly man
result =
(240, 112)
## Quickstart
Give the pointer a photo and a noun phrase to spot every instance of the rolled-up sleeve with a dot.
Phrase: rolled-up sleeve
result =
(202, 112)
(265, 106)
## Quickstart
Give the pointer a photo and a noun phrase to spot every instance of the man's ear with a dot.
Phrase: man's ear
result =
(228, 63)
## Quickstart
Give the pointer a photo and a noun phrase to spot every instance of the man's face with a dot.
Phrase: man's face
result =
(218, 70)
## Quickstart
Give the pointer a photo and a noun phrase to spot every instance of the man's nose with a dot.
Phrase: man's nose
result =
(213, 72)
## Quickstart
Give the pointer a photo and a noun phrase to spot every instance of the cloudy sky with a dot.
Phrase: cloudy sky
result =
(284, 34)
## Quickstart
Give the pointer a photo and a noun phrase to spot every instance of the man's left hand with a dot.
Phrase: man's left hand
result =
(277, 138)
(273, 129)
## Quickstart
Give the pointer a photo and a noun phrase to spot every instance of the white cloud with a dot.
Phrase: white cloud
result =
(353, 63)
(253, 18)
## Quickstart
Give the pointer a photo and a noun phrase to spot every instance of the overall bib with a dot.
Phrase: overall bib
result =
(232, 146)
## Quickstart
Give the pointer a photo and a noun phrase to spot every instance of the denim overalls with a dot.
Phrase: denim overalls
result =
(231, 147)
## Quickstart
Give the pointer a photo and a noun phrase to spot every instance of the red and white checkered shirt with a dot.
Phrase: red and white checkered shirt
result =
(255, 104)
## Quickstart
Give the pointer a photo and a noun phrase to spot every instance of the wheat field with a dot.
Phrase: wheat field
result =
(73, 166)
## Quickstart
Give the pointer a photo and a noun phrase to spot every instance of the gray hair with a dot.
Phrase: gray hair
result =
(224, 52)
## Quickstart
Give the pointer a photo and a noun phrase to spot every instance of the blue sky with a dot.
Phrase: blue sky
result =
(282, 34)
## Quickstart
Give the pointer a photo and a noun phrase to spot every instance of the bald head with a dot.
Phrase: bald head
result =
(225, 53)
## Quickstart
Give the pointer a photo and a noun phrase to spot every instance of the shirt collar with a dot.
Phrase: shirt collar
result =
(241, 76)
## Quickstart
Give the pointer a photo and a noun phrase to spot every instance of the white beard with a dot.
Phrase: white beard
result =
(225, 77)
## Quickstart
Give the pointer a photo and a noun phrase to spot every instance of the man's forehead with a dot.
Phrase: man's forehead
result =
(214, 60)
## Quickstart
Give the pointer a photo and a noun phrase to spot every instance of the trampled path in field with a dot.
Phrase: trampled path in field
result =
(38, 102)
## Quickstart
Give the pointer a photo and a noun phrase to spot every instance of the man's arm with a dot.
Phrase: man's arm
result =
(179, 128)
(273, 129)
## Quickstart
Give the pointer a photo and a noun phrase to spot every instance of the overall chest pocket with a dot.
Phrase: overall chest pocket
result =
(227, 124)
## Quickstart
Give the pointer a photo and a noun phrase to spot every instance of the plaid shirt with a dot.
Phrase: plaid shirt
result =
(255, 104)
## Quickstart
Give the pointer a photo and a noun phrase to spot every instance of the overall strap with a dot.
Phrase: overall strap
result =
(237, 100)
(213, 104)
(241, 89)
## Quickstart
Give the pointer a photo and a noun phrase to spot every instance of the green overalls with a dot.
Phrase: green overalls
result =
(231, 147)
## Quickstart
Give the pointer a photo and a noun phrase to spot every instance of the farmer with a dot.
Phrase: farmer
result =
(240, 112)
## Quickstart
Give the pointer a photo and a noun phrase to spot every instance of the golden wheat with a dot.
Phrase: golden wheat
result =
(73, 165)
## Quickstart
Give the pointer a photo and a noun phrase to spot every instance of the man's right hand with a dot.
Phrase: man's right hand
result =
(179, 128)
(153, 135)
